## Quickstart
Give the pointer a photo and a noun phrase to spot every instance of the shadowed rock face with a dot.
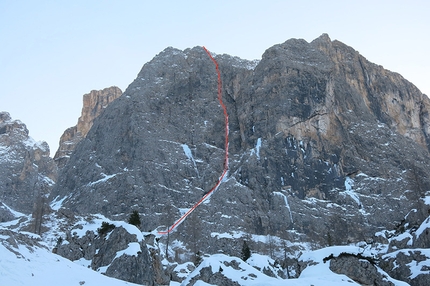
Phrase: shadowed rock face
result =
(325, 147)
(93, 105)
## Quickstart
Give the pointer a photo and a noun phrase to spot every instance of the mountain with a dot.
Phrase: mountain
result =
(328, 170)
(314, 129)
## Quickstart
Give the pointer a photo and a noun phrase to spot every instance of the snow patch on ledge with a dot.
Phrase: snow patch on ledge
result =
(190, 157)
(133, 249)
(287, 205)
(58, 203)
(257, 148)
(104, 179)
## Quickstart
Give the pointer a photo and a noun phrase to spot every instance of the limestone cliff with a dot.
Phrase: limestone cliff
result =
(325, 148)
(93, 104)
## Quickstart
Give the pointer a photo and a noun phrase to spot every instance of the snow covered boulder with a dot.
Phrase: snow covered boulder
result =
(411, 265)
(339, 264)
(266, 265)
(117, 250)
(359, 268)
(422, 235)
(220, 269)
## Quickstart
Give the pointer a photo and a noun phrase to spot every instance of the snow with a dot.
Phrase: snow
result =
(416, 267)
(241, 63)
(104, 179)
(83, 262)
(247, 273)
(405, 235)
(189, 155)
(263, 262)
(81, 228)
(39, 266)
(56, 204)
(133, 249)
(201, 283)
(286, 203)
(169, 189)
(46, 180)
(232, 235)
(317, 274)
(10, 223)
(31, 143)
(424, 225)
(321, 271)
(15, 213)
(187, 152)
(6, 154)
(426, 200)
(349, 190)
(256, 150)
(322, 275)
(349, 183)
(182, 270)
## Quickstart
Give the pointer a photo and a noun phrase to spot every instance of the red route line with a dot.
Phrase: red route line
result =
(182, 218)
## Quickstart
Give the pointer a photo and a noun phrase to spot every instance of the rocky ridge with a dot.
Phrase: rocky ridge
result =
(27, 173)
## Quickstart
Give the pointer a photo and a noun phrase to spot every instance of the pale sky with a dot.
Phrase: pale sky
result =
(53, 52)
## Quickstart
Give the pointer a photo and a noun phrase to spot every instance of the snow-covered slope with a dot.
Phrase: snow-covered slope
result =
(25, 259)
(38, 266)
(222, 268)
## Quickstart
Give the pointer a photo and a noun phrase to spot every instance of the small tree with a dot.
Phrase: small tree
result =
(246, 251)
(329, 239)
(134, 219)
(105, 228)
(198, 258)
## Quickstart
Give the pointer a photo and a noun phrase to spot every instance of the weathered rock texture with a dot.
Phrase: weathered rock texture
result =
(363, 271)
(408, 252)
(93, 105)
(409, 265)
(108, 254)
(325, 147)
(27, 173)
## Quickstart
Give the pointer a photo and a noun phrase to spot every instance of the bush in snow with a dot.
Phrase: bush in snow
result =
(134, 219)
(105, 228)
(246, 251)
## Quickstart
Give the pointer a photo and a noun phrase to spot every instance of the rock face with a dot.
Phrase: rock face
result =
(360, 270)
(408, 250)
(325, 148)
(115, 252)
(93, 104)
(27, 173)
(410, 265)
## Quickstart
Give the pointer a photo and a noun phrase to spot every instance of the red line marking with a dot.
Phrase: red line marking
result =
(184, 216)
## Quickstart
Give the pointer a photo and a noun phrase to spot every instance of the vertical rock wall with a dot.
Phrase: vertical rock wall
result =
(93, 105)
